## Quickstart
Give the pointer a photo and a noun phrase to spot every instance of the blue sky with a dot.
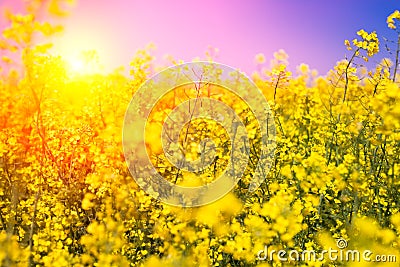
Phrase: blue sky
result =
(310, 31)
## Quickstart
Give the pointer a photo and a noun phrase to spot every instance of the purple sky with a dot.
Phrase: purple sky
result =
(310, 31)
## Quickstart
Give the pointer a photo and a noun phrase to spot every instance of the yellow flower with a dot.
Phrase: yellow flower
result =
(260, 58)
(87, 201)
(391, 19)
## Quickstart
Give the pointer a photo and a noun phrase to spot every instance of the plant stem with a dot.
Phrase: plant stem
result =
(397, 59)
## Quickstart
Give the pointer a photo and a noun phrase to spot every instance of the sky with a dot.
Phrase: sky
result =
(310, 31)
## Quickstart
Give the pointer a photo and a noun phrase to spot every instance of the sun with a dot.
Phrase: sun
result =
(84, 63)
(83, 52)
(76, 65)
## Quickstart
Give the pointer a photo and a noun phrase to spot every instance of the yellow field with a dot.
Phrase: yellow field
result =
(67, 197)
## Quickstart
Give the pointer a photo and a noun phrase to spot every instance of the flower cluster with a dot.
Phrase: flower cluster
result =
(391, 19)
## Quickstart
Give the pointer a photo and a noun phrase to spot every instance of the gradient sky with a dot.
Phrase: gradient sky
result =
(310, 31)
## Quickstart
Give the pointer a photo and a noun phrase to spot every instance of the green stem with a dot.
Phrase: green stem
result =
(397, 59)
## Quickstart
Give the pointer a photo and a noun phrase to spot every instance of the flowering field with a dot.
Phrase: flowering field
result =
(67, 197)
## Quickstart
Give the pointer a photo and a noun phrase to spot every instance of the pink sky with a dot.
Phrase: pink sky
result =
(310, 31)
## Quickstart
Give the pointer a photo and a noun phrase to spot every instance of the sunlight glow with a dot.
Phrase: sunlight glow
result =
(83, 51)
(84, 63)
(76, 65)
